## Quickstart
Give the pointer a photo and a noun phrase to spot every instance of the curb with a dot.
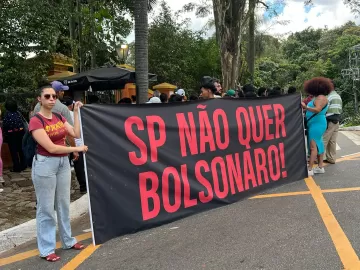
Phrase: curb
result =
(25, 232)
(354, 128)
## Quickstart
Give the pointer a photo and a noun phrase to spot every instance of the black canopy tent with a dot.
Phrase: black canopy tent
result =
(103, 78)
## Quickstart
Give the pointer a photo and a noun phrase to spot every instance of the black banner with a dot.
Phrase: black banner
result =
(151, 164)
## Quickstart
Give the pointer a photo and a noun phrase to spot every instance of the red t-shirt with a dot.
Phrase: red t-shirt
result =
(54, 128)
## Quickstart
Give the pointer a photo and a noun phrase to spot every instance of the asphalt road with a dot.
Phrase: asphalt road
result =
(311, 229)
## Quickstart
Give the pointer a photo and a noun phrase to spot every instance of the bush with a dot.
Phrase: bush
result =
(352, 121)
(349, 117)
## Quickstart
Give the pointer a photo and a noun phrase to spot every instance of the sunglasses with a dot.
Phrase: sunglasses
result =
(48, 96)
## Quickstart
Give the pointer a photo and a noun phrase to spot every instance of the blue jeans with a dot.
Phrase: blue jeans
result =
(52, 179)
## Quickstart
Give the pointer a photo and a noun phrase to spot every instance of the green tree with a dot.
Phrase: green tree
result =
(90, 37)
(179, 55)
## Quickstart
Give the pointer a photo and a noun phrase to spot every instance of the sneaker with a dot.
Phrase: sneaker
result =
(310, 173)
(319, 170)
(1, 190)
(2, 180)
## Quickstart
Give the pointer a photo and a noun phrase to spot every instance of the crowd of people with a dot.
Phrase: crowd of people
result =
(322, 112)
(212, 89)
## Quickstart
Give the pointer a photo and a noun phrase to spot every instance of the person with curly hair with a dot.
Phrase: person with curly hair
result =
(316, 109)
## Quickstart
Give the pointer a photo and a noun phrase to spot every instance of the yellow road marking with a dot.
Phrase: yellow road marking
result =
(342, 244)
(297, 193)
(348, 158)
(340, 190)
(273, 195)
(80, 258)
(35, 252)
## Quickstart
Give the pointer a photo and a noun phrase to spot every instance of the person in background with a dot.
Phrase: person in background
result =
(69, 103)
(14, 130)
(164, 98)
(156, 93)
(2, 182)
(262, 92)
(250, 95)
(193, 97)
(154, 100)
(248, 88)
(275, 92)
(333, 116)
(240, 94)
(308, 99)
(133, 99)
(77, 159)
(277, 88)
(93, 99)
(181, 92)
(125, 101)
(51, 174)
(291, 90)
(316, 126)
(175, 98)
(249, 91)
(230, 94)
(208, 90)
(219, 90)
(32, 108)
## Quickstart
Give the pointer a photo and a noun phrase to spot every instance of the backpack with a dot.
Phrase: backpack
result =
(29, 145)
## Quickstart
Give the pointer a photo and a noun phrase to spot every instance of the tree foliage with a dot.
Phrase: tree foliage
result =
(88, 31)
(304, 55)
(179, 55)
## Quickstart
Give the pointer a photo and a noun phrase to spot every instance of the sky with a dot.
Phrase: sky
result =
(323, 13)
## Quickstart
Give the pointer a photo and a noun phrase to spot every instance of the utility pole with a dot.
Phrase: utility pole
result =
(353, 72)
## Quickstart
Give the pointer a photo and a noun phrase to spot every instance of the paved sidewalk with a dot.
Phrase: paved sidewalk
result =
(18, 200)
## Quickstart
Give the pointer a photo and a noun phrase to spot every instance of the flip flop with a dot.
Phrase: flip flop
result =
(52, 258)
(78, 246)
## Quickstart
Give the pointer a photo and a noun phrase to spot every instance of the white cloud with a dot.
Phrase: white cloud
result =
(324, 13)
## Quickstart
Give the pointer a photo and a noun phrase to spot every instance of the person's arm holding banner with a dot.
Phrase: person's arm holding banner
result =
(75, 131)
(320, 102)
(69, 138)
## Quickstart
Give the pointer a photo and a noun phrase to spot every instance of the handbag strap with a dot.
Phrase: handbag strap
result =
(315, 114)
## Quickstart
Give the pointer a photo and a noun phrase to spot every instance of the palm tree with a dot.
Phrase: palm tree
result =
(251, 57)
(141, 8)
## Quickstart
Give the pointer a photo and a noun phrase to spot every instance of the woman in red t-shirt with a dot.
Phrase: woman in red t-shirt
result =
(51, 174)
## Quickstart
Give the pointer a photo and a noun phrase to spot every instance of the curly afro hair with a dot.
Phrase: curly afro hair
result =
(318, 86)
